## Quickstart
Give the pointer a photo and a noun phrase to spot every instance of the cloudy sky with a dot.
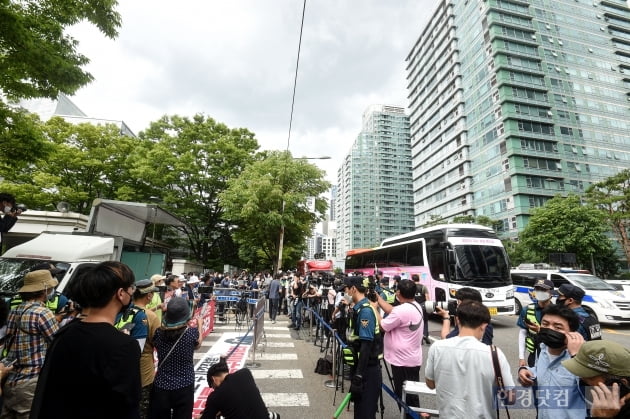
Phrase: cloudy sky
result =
(234, 60)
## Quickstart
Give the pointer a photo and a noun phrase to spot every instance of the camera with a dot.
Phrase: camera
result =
(371, 292)
(204, 289)
(15, 208)
(450, 306)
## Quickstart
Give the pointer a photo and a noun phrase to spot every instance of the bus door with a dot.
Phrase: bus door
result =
(437, 267)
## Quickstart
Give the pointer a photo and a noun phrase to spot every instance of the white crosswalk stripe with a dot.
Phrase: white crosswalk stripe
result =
(278, 335)
(285, 399)
(275, 357)
(280, 345)
(270, 374)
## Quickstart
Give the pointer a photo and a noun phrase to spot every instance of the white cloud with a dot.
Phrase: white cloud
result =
(235, 61)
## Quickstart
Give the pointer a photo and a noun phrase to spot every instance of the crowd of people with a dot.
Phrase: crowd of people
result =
(107, 327)
(378, 317)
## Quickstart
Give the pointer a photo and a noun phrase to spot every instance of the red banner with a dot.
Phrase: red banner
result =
(206, 312)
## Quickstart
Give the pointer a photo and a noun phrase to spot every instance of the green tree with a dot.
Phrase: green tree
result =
(565, 225)
(434, 220)
(268, 196)
(38, 59)
(518, 253)
(187, 162)
(612, 196)
(21, 140)
(84, 162)
(480, 219)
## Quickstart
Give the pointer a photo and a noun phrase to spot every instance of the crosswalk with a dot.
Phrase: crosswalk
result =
(274, 364)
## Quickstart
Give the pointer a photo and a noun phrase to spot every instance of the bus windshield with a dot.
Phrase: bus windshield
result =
(481, 264)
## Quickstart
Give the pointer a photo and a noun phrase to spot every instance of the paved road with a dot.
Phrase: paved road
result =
(285, 363)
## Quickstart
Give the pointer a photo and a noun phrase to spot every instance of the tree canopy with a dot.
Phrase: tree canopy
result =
(82, 162)
(186, 163)
(612, 196)
(567, 225)
(39, 60)
(270, 194)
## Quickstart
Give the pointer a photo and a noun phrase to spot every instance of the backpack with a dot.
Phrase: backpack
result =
(324, 365)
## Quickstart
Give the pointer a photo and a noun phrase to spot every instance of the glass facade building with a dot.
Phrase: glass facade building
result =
(512, 102)
(374, 187)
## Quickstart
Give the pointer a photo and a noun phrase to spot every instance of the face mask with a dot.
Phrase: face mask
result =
(542, 295)
(7, 210)
(126, 307)
(561, 301)
(552, 338)
(51, 295)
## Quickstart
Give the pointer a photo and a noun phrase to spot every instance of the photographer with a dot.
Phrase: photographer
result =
(297, 290)
(402, 341)
(339, 320)
(10, 211)
(462, 295)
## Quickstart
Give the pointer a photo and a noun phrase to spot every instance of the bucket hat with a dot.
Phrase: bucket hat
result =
(38, 281)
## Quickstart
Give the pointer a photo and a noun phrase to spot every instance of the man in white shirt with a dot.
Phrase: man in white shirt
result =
(461, 369)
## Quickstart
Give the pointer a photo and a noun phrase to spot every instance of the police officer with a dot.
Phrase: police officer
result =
(385, 292)
(571, 296)
(529, 322)
(134, 320)
(366, 342)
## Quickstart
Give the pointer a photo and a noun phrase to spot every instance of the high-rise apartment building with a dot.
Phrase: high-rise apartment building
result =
(374, 195)
(333, 203)
(513, 102)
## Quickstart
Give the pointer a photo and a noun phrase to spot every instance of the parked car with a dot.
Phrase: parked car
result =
(610, 305)
(620, 284)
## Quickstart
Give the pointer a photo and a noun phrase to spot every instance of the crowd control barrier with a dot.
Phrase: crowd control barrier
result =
(338, 345)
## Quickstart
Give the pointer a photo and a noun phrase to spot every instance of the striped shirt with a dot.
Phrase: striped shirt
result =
(32, 324)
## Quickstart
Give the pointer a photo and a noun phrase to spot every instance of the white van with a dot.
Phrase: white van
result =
(610, 305)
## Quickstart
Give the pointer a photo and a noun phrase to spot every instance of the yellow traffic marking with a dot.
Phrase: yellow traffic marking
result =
(616, 332)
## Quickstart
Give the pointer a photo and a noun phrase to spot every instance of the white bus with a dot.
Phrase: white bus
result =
(446, 258)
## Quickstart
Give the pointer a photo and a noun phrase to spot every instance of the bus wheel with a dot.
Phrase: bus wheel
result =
(518, 305)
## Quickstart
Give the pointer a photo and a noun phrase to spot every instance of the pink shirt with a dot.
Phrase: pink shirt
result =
(403, 347)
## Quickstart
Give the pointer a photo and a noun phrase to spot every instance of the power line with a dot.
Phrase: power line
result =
(297, 65)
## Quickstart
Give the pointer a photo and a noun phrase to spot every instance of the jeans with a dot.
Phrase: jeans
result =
(296, 319)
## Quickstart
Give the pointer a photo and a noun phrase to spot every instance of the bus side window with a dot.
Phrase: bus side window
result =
(414, 255)
(522, 279)
(398, 256)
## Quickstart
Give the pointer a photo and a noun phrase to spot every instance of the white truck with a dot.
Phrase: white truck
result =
(116, 230)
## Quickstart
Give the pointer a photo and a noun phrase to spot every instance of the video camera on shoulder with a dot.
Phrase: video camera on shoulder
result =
(205, 289)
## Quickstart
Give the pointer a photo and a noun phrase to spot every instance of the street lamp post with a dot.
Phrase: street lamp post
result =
(281, 239)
